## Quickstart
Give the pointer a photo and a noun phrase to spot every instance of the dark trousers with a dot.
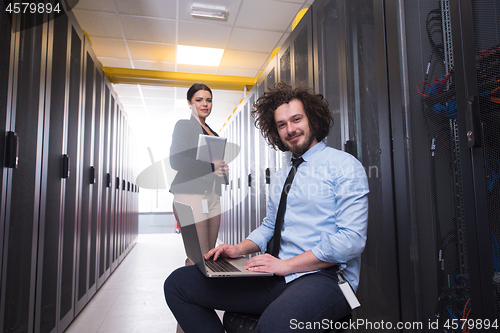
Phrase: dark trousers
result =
(306, 304)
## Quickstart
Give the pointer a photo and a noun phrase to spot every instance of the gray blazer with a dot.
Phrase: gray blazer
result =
(193, 176)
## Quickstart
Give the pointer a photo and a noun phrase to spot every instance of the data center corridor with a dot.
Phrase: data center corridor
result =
(131, 300)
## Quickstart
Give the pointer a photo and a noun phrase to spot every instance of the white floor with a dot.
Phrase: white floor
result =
(131, 300)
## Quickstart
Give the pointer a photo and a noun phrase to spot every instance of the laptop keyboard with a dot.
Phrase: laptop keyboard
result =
(220, 265)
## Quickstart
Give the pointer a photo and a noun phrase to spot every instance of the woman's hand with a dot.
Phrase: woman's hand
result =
(221, 169)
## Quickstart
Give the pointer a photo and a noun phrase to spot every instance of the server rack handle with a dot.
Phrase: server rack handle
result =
(12, 150)
(65, 166)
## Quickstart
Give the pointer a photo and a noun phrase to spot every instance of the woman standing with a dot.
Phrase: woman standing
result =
(197, 183)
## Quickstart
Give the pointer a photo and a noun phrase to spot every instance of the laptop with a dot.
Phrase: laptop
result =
(222, 267)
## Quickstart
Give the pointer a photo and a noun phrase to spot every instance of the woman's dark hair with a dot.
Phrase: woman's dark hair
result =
(315, 106)
(195, 88)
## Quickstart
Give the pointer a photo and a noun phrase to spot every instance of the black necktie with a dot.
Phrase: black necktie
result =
(274, 244)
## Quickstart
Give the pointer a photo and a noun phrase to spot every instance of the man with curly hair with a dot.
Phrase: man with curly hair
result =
(321, 230)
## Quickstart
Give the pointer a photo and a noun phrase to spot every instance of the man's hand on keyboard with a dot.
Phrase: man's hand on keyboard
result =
(223, 250)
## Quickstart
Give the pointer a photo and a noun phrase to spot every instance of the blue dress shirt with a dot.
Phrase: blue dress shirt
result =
(327, 211)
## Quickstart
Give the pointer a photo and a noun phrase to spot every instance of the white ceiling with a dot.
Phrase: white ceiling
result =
(143, 34)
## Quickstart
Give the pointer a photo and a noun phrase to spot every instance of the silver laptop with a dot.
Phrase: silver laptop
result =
(222, 267)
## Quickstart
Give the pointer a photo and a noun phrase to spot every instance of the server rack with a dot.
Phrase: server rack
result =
(443, 76)
(350, 71)
(53, 253)
(6, 86)
(477, 69)
(266, 156)
(106, 185)
(413, 86)
(28, 53)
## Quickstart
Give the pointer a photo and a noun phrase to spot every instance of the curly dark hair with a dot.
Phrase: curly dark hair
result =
(315, 106)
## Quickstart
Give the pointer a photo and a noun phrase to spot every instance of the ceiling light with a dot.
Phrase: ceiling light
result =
(209, 11)
(202, 56)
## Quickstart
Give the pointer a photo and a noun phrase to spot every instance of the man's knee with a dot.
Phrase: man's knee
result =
(174, 281)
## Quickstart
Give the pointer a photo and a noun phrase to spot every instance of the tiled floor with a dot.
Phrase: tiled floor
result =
(131, 300)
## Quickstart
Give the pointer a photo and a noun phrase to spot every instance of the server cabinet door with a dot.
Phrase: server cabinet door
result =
(239, 174)
(365, 124)
(246, 170)
(254, 163)
(71, 192)
(114, 184)
(328, 76)
(106, 188)
(96, 179)
(285, 62)
(476, 56)
(436, 192)
(302, 38)
(86, 186)
(8, 64)
(6, 76)
(23, 188)
(53, 180)
(295, 57)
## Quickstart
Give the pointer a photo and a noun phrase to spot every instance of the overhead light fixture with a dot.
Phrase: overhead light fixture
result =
(209, 11)
(195, 55)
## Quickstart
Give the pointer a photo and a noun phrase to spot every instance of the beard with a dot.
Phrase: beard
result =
(299, 149)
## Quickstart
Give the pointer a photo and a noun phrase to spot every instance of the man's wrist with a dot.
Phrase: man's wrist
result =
(288, 265)
(239, 249)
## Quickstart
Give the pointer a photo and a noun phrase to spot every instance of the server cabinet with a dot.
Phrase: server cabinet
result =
(254, 169)
(226, 194)
(123, 183)
(234, 184)
(86, 235)
(237, 186)
(477, 74)
(243, 175)
(53, 181)
(50, 203)
(6, 76)
(267, 154)
(285, 62)
(329, 74)
(366, 135)
(72, 192)
(115, 183)
(350, 71)
(302, 39)
(120, 183)
(295, 56)
(446, 151)
(22, 186)
(228, 191)
(96, 179)
(106, 187)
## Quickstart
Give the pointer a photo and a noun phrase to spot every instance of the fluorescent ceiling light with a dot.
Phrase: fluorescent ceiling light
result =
(194, 55)
(209, 11)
